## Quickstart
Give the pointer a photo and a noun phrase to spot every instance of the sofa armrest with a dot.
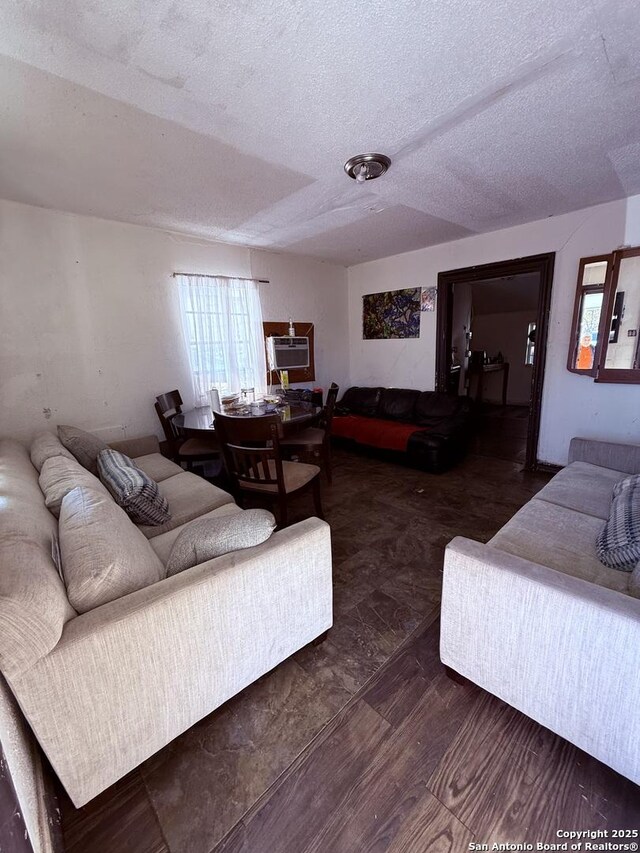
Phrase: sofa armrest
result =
(561, 650)
(142, 446)
(606, 454)
(128, 677)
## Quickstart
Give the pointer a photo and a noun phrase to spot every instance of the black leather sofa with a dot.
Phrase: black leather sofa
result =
(426, 429)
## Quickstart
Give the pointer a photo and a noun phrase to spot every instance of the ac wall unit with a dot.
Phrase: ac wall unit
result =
(287, 353)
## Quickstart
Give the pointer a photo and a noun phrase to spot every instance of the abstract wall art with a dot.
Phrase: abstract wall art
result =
(392, 314)
(429, 295)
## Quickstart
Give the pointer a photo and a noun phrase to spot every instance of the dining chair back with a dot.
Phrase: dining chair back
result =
(330, 406)
(167, 406)
(316, 440)
(190, 450)
(252, 456)
(251, 449)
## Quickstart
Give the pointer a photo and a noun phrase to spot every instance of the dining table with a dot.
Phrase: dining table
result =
(198, 422)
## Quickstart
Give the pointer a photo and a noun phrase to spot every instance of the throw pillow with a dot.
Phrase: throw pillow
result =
(44, 446)
(132, 489)
(206, 538)
(627, 483)
(618, 545)
(84, 446)
(104, 556)
(59, 476)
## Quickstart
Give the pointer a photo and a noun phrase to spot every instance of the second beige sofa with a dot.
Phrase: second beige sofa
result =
(533, 617)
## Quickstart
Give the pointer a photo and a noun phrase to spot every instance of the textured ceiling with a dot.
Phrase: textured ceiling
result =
(232, 119)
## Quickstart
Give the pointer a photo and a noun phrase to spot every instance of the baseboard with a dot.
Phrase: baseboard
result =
(510, 403)
(548, 467)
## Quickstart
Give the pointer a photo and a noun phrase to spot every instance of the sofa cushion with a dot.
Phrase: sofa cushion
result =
(142, 445)
(163, 543)
(188, 496)
(44, 446)
(360, 401)
(84, 446)
(19, 490)
(33, 601)
(397, 404)
(583, 487)
(157, 467)
(627, 484)
(104, 556)
(561, 539)
(432, 408)
(618, 544)
(207, 538)
(33, 604)
(59, 476)
(375, 432)
(132, 489)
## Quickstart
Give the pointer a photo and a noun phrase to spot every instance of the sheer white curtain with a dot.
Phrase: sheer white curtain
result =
(222, 321)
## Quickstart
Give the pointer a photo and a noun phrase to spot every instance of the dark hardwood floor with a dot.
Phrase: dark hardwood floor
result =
(362, 743)
(501, 432)
(417, 762)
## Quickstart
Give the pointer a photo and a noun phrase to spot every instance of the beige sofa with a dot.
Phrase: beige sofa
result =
(104, 690)
(534, 618)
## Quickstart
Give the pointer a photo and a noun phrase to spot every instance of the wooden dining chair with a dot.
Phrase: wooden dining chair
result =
(316, 440)
(190, 450)
(251, 452)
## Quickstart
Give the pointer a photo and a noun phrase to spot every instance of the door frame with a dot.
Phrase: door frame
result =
(542, 264)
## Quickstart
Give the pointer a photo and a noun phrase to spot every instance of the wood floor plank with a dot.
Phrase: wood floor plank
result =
(422, 824)
(429, 827)
(373, 813)
(509, 779)
(213, 773)
(120, 820)
(396, 689)
(298, 807)
(360, 641)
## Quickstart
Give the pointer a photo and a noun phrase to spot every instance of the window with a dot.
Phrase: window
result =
(222, 322)
(531, 343)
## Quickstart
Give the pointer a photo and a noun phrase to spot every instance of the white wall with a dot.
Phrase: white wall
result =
(505, 333)
(572, 404)
(89, 324)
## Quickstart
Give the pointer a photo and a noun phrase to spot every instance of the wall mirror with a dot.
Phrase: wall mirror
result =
(620, 357)
(605, 340)
(588, 317)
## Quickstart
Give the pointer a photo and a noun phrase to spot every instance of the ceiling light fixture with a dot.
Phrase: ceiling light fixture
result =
(366, 167)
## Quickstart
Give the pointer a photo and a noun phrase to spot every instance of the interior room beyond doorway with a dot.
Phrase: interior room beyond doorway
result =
(493, 332)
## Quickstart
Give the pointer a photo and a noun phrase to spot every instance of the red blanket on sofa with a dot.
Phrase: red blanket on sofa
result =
(376, 432)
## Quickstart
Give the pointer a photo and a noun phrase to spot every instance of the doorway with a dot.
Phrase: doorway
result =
(492, 331)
